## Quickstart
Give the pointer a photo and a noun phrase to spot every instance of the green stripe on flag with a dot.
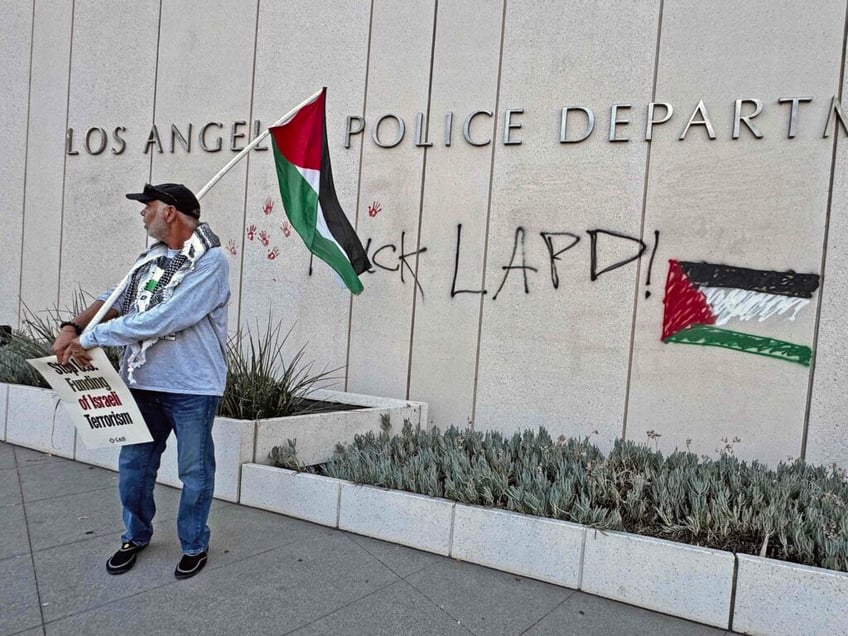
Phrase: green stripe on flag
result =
(299, 199)
(329, 252)
(301, 203)
(708, 336)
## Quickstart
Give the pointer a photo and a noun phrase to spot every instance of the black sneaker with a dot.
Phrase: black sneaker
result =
(190, 565)
(123, 560)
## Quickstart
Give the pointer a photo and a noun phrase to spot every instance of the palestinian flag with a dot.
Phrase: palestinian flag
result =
(701, 297)
(309, 196)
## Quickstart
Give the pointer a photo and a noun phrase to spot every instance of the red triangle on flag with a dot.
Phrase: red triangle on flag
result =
(300, 138)
(685, 304)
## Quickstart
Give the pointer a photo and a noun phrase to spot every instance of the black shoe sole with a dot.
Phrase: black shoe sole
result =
(126, 567)
(180, 574)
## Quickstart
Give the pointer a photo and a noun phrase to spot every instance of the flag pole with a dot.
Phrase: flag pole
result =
(120, 287)
(253, 144)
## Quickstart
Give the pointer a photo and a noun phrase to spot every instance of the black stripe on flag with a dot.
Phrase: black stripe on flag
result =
(337, 222)
(760, 280)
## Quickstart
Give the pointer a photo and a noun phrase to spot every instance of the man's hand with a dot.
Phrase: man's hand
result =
(65, 337)
(75, 350)
(68, 334)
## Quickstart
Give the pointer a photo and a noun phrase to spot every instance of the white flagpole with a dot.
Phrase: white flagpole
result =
(117, 292)
(253, 144)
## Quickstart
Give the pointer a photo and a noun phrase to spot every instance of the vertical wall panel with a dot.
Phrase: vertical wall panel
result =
(827, 437)
(557, 356)
(456, 192)
(102, 231)
(45, 154)
(753, 203)
(398, 80)
(302, 46)
(205, 75)
(580, 348)
(15, 46)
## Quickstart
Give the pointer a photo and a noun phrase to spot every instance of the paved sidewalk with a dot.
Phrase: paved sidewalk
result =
(267, 574)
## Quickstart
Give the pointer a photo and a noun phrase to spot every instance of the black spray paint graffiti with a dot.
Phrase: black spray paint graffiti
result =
(554, 257)
(386, 257)
(402, 261)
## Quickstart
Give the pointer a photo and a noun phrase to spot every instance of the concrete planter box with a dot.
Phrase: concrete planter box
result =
(771, 597)
(673, 578)
(233, 441)
(4, 392)
(413, 520)
(103, 457)
(35, 418)
(233, 447)
(301, 495)
(776, 597)
(318, 433)
(543, 549)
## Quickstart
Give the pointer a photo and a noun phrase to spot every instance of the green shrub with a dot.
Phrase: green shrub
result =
(795, 512)
(262, 384)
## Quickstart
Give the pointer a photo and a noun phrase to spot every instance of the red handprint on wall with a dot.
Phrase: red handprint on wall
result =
(374, 209)
(274, 253)
(286, 228)
(251, 232)
(231, 247)
(263, 238)
(268, 206)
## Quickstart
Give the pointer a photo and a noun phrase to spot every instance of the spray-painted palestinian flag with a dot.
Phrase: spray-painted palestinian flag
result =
(309, 196)
(701, 297)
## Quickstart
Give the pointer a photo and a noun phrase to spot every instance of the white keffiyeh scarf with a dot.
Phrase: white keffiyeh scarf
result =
(167, 278)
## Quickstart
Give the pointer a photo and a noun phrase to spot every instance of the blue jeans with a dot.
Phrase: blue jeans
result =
(191, 418)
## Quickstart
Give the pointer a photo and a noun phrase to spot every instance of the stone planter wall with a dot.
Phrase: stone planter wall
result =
(35, 418)
(664, 576)
(771, 597)
(317, 434)
(779, 598)
(4, 391)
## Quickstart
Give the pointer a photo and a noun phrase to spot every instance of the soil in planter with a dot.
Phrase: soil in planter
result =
(318, 406)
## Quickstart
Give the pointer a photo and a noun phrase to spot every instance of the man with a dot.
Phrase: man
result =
(172, 319)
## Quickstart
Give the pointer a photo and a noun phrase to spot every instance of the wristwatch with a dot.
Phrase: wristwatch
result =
(69, 323)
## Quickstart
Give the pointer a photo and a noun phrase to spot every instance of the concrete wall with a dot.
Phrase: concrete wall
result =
(518, 280)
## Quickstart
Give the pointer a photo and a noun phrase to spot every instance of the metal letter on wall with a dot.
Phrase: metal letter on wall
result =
(615, 121)
(704, 121)
(649, 126)
(466, 128)
(508, 125)
(104, 139)
(835, 109)
(220, 141)
(739, 117)
(375, 133)
(349, 131)
(793, 112)
(563, 125)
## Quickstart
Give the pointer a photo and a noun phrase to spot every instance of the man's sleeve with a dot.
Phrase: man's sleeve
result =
(119, 301)
(201, 291)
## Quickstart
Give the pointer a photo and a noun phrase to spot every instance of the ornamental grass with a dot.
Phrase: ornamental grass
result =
(262, 382)
(35, 339)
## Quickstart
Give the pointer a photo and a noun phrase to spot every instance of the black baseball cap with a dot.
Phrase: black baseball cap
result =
(175, 194)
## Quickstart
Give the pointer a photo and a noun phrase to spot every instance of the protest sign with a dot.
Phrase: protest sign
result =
(101, 405)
